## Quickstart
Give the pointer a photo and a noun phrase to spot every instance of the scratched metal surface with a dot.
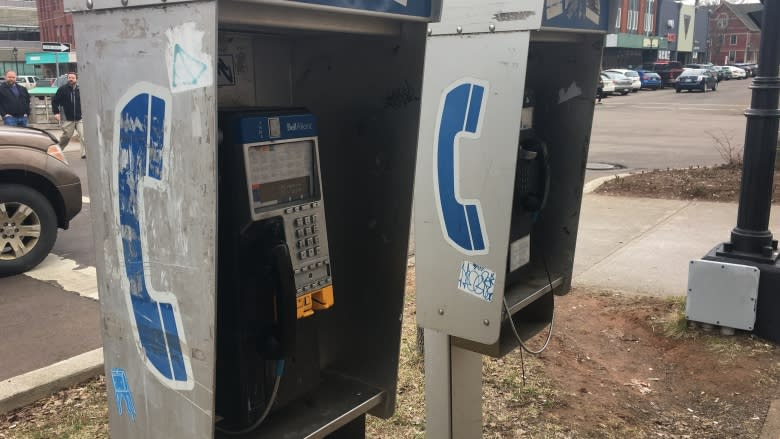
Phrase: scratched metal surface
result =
(150, 103)
(469, 17)
(484, 170)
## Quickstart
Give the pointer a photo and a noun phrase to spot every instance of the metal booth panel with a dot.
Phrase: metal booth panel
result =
(469, 131)
(468, 17)
(149, 99)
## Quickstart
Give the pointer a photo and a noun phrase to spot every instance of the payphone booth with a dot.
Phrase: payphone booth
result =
(251, 169)
(507, 107)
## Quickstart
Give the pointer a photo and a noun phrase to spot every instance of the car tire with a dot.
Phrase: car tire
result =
(677, 90)
(623, 93)
(41, 216)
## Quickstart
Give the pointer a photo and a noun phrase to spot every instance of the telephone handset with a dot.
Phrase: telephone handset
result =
(461, 116)
(532, 188)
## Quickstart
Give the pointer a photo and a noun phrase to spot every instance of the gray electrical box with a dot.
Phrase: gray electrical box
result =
(722, 294)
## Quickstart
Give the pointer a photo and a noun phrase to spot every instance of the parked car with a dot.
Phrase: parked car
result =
(750, 69)
(707, 66)
(667, 70)
(622, 83)
(608, 85)
(650, 80)
(39, 193)
(636, 83)
(696, 79)
(27, 81)
(736, 72)
(59, 81)
(726, 72)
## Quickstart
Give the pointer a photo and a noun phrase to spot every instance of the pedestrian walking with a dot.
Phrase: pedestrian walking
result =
(14, 101)
(600, 90)
(67, 103)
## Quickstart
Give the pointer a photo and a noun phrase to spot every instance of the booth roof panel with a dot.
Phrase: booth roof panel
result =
(426, 10)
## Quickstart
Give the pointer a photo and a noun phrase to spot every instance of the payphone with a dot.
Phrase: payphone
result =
(274, 267)
(532, 186)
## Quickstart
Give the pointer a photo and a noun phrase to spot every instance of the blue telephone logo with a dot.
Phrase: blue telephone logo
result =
(140, 137)
(461, 112)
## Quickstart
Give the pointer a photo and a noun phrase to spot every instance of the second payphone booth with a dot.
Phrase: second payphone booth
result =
(507, 107)
(251, 167)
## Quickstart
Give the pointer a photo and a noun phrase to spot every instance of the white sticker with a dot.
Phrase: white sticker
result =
(189, 67)
(519, 253)
(477, 280)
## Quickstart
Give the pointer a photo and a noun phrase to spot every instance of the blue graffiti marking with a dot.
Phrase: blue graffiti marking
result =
(477, 280)
(141, 141)
(459, 117)
(187, 70)
(122, 393)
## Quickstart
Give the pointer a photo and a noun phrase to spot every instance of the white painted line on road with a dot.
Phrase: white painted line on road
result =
(651, 108)
(703, 105)
(84, 200)
(710, 109)
(68, 275)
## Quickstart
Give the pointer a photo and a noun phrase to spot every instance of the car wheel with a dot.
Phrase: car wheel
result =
(677, 90)
(28, 228)
(623, 93)
(704, 88)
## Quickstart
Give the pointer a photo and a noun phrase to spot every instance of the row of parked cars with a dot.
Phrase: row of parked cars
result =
(657, 75)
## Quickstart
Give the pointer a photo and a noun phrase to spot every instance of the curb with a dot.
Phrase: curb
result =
(24, 389)
(594, 184)
(771, 428)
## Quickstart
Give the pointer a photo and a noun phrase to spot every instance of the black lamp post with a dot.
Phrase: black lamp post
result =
(15, 51)
(751, 241)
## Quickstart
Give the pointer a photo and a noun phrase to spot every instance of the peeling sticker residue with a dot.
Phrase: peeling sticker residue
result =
(572, 92)
(477, 280)
(513, 16)
(189, 67)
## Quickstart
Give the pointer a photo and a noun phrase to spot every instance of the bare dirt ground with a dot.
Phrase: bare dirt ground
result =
(618, 366)
(720, 183)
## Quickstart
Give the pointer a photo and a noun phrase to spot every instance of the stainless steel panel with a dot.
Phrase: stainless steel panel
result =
(150, 70)
(95, 5)
(470, 17)
(483, 176)
(722, 294)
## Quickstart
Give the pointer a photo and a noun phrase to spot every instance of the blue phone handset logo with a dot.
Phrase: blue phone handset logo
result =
(141, 135)
(461, 112)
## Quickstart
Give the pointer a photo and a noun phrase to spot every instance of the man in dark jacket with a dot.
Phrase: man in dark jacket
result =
(14, 101)
(67, 102)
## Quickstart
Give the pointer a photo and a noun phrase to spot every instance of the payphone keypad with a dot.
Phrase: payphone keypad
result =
(310, 261)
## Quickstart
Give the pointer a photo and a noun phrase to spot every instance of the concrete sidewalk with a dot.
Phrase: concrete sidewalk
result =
(643, 246)
(632, 245)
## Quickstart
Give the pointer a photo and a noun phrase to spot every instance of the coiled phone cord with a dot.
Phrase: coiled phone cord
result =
(552, 320)
(271, 400)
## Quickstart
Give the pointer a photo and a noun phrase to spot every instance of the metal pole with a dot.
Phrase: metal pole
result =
(751, 238)
(453, 389)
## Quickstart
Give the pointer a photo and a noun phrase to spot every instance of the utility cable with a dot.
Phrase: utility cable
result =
(552, 320)
(271, 400)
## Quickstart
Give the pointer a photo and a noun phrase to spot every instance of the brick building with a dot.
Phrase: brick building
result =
(56, 25)
(735, 33)
(632, 38)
